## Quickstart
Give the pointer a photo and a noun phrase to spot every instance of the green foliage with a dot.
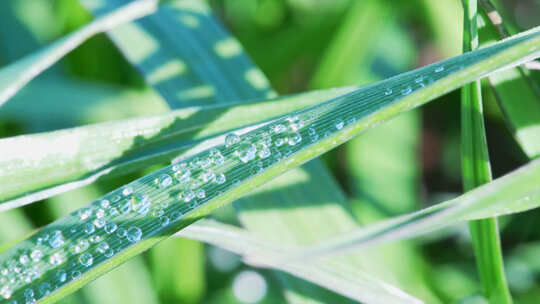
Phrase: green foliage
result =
(229, 138)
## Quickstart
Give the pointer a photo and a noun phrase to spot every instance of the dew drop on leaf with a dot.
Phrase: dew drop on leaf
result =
(164, 181)
(220, 178)
(231, 139)
(134, 234)
(89, 228)
(86, 259)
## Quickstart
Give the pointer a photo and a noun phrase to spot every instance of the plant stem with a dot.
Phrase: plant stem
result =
(476, 171)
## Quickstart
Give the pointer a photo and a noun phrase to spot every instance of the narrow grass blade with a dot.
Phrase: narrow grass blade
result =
(346, 280)
(476, 171)
(14, 76)
(523, 117)
(153, 207)
(137, 143)
(512, 193)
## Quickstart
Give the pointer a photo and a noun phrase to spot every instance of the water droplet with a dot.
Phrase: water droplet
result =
(207, 176)
(109, 253)
(105, 204)
(85, 213)
(195, 163)
(339, 124)
(279, 128)
(6, 292)
(89, 228)
(81, 246)
(28, 294)
(99, 222)
(100, 213)
(216, 157)
(140, 203)
(164, 181)
(294, 139)
(115, 198)
(95, 238)
(231, 139)
(220, 178)
(279, 142)
(127, 191)
(134, 234)
(351, 120)
(201, 193)
(439, 69)
(246, 152)
(187, 196)
(102, 247)
(388, 91)
(44, 289)
(295, 123)
(56, 258)
(121, 232)
(113, 212)
(183, 176)
(36, 255)
(164, 221)
(75, 274)
(86, 259)
(56, 239)
(61, 276)
(24, 259)
(406, 91)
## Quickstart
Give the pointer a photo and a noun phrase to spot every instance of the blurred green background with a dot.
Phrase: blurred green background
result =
(300, 45)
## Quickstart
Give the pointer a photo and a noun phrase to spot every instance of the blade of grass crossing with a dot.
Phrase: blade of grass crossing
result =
(476, 171)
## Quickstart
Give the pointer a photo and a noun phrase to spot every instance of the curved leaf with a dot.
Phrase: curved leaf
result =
(14, 76)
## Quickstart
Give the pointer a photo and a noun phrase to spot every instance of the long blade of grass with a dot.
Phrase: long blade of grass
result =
(245, 163)
(351, 281)
(513, 193)
(137, 143)
(476, 171)
(14, 76)
(523, 117)
(184, 53)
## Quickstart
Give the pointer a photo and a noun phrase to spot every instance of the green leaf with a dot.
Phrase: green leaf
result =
(14, 76)
(476, 170)
(320, 128)
(512, 85)
(346, 280)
